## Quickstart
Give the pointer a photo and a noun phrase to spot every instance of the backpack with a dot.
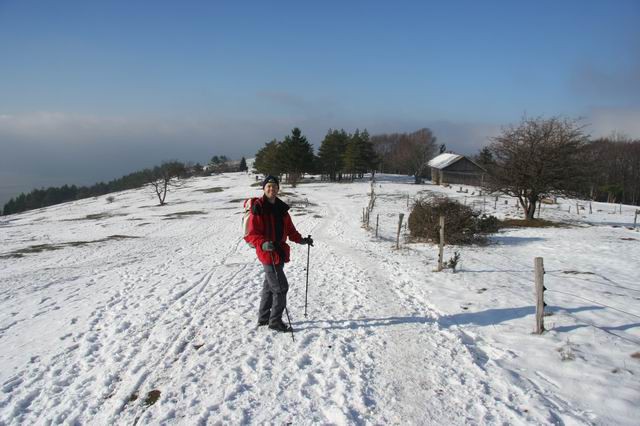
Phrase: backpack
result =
(248, 211)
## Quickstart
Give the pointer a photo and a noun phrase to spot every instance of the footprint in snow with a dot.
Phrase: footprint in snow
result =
(304, 361)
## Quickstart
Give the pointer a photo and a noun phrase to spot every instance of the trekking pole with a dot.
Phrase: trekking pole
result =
(306, 289)
(280, 288)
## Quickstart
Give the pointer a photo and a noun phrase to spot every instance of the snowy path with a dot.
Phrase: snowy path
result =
(91, 332)
(450, 381)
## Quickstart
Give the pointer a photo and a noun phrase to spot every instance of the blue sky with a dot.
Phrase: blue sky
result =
(92, 90)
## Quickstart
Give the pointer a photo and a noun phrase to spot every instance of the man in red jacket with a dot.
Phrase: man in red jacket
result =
(269, 226)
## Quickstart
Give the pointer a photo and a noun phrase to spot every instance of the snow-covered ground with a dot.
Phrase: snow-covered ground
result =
(125, 312)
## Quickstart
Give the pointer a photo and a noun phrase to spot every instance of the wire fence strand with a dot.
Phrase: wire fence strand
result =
(593, 301)
(564, 275)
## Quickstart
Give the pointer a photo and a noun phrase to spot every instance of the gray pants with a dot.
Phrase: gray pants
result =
(274, 295)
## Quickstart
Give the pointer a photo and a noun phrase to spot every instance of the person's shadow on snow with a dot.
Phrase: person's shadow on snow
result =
(351, 324)
(482, 318)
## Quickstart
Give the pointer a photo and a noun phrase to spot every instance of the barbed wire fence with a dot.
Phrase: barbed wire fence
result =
(486, 202)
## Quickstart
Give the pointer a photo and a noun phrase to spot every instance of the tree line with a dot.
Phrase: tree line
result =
(347, 156)
(615, 170)
(159, 178)
(293, 157)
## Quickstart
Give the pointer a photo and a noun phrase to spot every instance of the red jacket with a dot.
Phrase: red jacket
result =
(271, 222)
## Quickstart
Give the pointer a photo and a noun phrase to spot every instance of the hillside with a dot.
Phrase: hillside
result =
(128, 312)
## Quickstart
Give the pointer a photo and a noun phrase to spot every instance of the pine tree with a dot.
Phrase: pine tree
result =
(243, 165)
(355, 163)
(485, 157)
(330, 154)
(371, 159)
(349, 160)
(268, 160)
(297, 156)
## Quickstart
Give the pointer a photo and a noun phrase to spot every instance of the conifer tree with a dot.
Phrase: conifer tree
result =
(360, 157)
(370, 157)
(297, 156)
(330, 154)
(268, 160)
(243, 165)
(354, 156)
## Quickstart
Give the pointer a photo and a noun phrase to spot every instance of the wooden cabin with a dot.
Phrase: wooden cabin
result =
(449, 168)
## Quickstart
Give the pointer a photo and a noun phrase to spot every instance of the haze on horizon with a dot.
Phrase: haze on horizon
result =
(90, 91)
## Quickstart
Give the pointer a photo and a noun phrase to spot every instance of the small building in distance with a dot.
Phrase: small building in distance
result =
(449, 168)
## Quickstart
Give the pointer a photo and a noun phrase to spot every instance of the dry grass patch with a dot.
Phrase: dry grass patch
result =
(211, 190)
(96, 216)
(39, 248)
(152, 397)
(179, 215)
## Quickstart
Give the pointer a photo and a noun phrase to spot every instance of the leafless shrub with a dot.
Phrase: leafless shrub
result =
(566, 353)
(463, 225)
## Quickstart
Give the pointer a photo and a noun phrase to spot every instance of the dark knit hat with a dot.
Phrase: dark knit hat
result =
(270, 179)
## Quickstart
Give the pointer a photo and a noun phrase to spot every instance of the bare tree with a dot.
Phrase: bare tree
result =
(163, 177)
(406, 153)
(422, 148)
(538, 158)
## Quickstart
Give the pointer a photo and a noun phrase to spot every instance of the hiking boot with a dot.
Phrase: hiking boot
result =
(280, 326)
(263, 322)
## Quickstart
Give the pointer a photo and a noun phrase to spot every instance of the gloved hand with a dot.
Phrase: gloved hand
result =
(268, 246)
(307, 240)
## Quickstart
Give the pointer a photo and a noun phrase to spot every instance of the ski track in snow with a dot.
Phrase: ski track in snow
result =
(175, 311)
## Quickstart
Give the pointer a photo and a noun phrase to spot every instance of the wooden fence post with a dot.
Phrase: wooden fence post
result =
(539, 208)
(635, 218)
(577, 208)
(441, 248)
(377, 220)
(495, 205)
(620, 207)
(539, 272)
(590, 209)
(399, 229)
